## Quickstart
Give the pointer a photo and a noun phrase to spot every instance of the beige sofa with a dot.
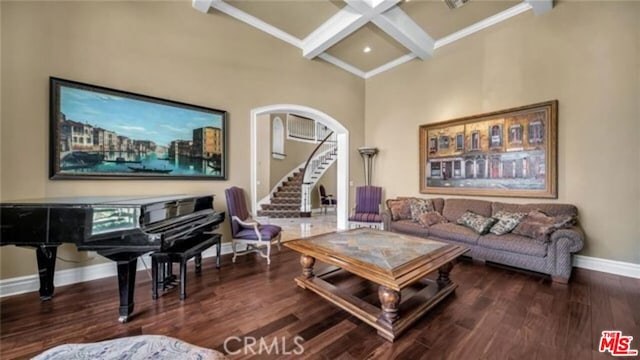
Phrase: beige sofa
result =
(550, 255)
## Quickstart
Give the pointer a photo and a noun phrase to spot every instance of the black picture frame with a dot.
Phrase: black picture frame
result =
(102, 133)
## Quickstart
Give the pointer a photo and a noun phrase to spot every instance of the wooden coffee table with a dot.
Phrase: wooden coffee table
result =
(397, 264)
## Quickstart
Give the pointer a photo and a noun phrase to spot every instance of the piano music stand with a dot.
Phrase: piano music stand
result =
(180, 253)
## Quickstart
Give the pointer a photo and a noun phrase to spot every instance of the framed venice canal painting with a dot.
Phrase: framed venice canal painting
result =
(504, 153)
(102, 133)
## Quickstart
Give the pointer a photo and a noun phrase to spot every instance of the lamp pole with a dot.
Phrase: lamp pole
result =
(368, 153)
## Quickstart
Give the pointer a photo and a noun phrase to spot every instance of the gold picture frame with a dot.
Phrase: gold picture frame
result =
(510, 153)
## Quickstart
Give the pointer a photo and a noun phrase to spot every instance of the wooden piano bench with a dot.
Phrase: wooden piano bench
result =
(162, 262)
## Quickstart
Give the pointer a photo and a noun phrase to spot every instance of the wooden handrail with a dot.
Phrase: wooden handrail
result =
(306, 165)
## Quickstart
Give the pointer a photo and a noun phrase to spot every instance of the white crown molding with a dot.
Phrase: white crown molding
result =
(30, 283)
(483, 24)
(389, 65)
(255, 22)
(341, 64)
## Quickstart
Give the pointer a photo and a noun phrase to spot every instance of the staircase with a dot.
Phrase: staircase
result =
(291, 198)
(285, 201)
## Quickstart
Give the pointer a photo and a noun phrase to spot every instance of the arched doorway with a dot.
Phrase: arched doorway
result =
(342, 164)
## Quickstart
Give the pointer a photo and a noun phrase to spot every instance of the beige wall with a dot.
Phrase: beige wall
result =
(263, 160)
(586, 55)
(163, 49)
(297, 153)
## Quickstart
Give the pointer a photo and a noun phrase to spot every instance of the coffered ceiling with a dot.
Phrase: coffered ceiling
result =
(367, 37)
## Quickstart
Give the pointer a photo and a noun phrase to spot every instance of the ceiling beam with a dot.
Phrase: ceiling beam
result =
(339, 26)
(397, 24)
(384, 14)
(540, 6)
(356, 14)
(372, 7)
(201, 5)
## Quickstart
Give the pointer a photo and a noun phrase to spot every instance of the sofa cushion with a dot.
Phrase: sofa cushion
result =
(409, 227)
(419, 207)
(477, 223)
(507, 221)
(431, 218)
(267, 232)
(455, 208)
(400, 208)
(538, 225)
(438, 204)
(514, 243)
(455, 232)
(547, 208)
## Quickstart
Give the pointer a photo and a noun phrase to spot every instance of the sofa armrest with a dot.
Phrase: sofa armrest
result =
(386, 218)
(574, 237)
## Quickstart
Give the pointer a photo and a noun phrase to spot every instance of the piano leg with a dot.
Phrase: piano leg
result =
(154, 278)
(183, 279)
(126, 284)
(46, 256)
(218, 253)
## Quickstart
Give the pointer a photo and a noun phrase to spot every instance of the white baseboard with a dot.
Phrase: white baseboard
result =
(29, 283)
(608, 266)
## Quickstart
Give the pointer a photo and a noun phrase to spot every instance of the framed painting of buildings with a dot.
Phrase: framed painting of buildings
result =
(102, 133)
(504, 153)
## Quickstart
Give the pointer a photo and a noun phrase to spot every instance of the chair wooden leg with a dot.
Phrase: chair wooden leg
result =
(233, 247)
(268, 253)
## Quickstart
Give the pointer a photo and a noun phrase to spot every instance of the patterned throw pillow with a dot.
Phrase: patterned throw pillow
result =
(538, 225)
(507, 221)
(419, 207)
(400, 209)
(431, 218)
(476, 222)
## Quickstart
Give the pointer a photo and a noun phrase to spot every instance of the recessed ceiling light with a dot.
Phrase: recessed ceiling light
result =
(366, 49)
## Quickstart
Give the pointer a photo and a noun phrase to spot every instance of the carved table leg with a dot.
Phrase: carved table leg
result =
(443, 278)
(389, 301)
(307, 263)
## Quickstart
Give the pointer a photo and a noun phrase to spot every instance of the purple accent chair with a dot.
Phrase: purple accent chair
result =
(367, 212)
(246, 230)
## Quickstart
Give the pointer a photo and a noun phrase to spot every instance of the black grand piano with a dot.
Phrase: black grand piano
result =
(118, 228)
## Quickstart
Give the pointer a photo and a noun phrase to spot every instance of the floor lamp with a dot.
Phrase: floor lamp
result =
(368, 153)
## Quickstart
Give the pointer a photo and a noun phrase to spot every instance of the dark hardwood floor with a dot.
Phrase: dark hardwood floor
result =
(495, 313)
